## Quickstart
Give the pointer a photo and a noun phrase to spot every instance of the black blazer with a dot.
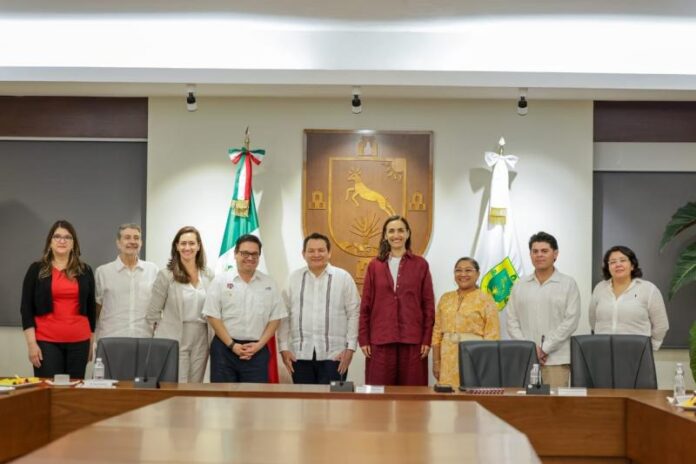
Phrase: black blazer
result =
(37, 299)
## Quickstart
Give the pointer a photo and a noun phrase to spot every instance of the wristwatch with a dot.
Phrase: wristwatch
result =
(231, 345)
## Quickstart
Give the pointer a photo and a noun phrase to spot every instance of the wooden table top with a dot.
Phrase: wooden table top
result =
(607, 426)
(292, 430)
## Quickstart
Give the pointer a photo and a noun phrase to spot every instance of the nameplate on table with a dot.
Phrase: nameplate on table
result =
(98, 383)
(369, 389)
(572, 391)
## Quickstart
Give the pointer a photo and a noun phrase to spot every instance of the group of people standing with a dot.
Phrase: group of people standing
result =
(320, 318)
(544, 307)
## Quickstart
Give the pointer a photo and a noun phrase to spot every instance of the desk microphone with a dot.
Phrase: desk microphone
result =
(342, 385)
(145, 381)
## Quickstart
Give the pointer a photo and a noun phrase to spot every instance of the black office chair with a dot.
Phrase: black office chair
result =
(127, 358)
(612, 361)
(504, 363)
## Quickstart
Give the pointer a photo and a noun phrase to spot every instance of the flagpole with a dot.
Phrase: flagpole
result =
(497, 250)
(242, 219)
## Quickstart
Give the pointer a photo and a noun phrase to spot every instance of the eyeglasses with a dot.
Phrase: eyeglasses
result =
(62, 238)
(250, 255)
(614, 262)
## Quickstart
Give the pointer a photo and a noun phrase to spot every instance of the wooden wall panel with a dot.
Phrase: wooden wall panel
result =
(85, 117)
(644, 121)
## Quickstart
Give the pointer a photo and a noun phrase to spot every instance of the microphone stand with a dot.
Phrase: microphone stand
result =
(342, 385)
(145, 381)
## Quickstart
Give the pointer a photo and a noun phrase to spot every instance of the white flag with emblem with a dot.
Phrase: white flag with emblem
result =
(497, 249)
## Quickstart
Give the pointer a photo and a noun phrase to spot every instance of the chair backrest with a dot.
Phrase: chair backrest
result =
(127, 358)
(504, 363)
(612, 361)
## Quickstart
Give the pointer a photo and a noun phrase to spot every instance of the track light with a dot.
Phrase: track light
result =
(522, 102)
(191, 104)
(356, 104)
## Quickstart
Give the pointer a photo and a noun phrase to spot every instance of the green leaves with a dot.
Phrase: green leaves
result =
(684, 218)
(685, 270)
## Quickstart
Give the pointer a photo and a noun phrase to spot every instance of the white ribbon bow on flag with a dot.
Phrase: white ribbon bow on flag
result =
(500, 194)
(492, 158)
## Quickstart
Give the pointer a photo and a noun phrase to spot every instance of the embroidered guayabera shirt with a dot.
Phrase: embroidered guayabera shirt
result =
(323, 316)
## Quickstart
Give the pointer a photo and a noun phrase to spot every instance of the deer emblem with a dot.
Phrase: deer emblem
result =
(359, 189)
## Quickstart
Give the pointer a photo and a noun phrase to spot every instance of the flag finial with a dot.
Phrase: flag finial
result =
(501, 145)
(247, 140)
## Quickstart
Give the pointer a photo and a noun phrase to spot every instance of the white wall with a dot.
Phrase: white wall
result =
(190, 177)
(640, 156)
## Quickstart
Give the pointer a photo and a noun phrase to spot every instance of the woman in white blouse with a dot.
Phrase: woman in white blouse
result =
(176, 306)
(626, 304)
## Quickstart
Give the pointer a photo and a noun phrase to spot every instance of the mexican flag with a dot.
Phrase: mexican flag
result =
(242, 219)
(497, 250)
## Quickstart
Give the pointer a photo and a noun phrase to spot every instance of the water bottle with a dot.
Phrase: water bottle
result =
(535, 376)
(98, 373)
(679, 388)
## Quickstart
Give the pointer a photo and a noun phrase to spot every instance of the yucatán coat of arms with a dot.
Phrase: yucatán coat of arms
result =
(355, 180)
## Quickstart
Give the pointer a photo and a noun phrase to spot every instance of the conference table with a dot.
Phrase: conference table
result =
(307, 423)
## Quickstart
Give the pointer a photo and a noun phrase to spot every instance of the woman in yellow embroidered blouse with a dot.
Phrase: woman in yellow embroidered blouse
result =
(464, 314)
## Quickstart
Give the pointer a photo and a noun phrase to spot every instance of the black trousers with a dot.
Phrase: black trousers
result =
(225, 366)
(315, 372)
(63, 358)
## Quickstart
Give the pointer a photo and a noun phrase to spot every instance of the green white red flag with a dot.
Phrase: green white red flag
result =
(242, 219)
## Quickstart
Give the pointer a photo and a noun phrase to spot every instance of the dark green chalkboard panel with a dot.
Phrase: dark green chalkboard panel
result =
(96, 185)
(632, 209)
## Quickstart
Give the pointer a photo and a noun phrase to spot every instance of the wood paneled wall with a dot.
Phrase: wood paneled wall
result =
(81, 117)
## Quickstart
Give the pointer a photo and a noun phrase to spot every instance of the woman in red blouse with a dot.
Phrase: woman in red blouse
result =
(397, 311)
(58, 306)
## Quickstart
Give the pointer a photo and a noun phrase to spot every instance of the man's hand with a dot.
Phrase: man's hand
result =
(425, 349)
(288, 359)
(541, 355)
(345, 357)
(367, 351)
(245, 351)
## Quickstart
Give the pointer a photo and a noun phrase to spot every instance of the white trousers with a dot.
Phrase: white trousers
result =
(193, 352)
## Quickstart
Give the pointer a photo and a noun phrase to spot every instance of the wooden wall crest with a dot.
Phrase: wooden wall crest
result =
(354, 180)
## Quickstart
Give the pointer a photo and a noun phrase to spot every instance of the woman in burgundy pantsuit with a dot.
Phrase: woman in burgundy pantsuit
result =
(397, 311)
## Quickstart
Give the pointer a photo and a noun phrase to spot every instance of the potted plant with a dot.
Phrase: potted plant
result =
(685, 269)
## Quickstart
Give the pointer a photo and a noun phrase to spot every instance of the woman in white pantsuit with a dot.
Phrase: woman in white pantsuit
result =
(177, 301)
